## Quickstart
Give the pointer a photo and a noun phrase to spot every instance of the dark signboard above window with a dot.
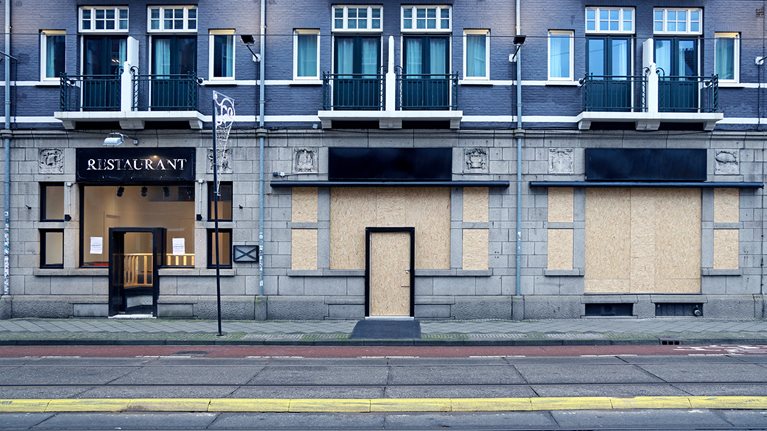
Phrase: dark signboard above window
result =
(390, 164)
(135, 165)
(645, 164)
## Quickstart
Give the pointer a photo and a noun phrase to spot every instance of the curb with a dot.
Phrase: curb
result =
(380, 342)
(376, 405)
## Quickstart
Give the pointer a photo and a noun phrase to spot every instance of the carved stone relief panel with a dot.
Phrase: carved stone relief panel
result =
(726, 162)
(51, 161)
(305, 160)
(475, 160)
(224, 161)
(560, 160)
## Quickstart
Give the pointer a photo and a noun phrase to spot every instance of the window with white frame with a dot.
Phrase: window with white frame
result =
(677, 21)
(476, 54)
(306, 54)
(172, 18)
(52, 50)
(609, 20)
(561, 55)
(103, 19)
(221, 58)
(727, 56)
(426, 18)
(357, 18)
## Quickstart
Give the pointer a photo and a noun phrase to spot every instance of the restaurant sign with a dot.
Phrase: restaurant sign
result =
(135, 165)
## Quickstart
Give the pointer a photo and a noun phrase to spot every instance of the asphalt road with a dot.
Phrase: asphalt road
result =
(195, 373)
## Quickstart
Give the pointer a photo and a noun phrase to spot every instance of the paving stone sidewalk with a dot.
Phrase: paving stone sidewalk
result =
(434, 332)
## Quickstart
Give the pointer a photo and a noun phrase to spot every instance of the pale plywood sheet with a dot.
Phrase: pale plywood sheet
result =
(304, 205)
(354, 209)
(475, 204)
(560, 204)
(678, 239)
(389, 274)
(607, 238)
(726, 249)
(303, 249)
(726, 205)
(643, 241)
(560, 249)
(475, 249)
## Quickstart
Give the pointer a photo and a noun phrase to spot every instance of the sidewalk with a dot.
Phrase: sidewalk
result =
(337, 332)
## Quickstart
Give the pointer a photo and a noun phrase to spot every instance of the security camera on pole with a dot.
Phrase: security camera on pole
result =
(223, 117)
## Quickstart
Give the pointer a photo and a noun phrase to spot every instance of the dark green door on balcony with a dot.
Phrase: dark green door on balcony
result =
(173, 58)
(357, 85)
(103, 57)
(608, 63)
(425, 78)
(677, 59)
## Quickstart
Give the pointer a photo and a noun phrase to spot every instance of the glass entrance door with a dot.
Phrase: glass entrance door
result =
(103, 58)
(174, 61)
(677, 58)
(426, 80)
(358, 80)
(608, 62)
(134, 254)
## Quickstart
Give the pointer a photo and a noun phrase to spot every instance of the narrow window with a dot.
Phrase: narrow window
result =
(306, 54)
(222, 54)
(224, 201)
(476, 54)
(560, 55)
(51, 202)
(225, 248)
(51, 54)
(727, 56)
(51, 248)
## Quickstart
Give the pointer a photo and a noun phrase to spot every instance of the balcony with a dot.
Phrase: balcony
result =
(649, 100)
(390, 97)
(130, 99)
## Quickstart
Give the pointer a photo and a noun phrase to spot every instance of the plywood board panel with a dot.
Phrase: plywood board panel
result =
(390, 274)
(608, 240)
(726, 205)
(726, 254)
(354, 209)
(475, 204)
(678, 240)
(304, 205)
(560, 204)
(475, 249)
(303, 249)
(560, 249)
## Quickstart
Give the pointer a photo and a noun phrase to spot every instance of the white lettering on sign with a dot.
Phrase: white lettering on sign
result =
(150, 164)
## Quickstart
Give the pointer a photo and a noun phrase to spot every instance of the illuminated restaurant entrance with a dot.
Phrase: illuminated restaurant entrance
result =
(134, 257)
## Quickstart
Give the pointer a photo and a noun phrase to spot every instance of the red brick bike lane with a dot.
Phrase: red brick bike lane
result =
(267, 351)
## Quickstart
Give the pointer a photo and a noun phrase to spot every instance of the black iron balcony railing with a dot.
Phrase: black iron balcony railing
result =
(89, 92)
(165, 92)
(606, 93)
(353, 91)
(419, 91)
(688, 94)
(149, 92)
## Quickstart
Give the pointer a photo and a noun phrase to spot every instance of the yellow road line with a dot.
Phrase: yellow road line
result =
(376, 405)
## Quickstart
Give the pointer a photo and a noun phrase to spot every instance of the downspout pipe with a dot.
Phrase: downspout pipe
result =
(7, 157)
(518, 135)
(261, 138)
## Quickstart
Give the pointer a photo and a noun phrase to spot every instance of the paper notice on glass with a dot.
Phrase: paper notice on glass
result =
(97, 245)
(179, 246)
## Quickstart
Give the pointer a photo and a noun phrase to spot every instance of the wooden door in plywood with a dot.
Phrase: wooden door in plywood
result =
(390, 274)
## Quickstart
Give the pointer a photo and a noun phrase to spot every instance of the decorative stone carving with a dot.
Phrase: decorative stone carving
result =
(305, 160)
(224, 161)
(560, 160)
(51, 161)
(475, 159)
(726, 162)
